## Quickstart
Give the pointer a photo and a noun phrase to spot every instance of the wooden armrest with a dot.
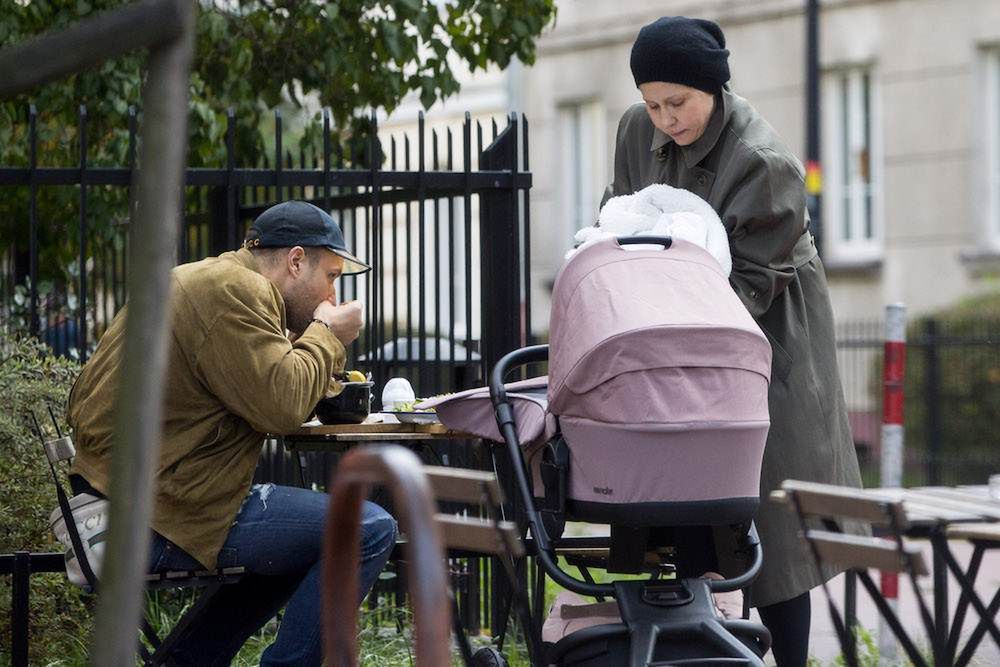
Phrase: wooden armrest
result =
(989, 532)
(857, 552)
(463, 485)
(480, 536)
(827, 500)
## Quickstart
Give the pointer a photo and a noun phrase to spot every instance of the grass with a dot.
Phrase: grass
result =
(385, 633)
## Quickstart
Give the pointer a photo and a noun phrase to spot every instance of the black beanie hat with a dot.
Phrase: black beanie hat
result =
(676, 49)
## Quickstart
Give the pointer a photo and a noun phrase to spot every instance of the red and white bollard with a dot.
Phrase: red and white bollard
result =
(893, 373)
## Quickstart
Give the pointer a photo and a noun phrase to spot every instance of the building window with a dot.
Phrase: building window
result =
(991, 70)
(584, 167)
(852, 167)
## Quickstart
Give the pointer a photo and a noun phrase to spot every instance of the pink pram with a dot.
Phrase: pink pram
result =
(651, 350)
(655, 423)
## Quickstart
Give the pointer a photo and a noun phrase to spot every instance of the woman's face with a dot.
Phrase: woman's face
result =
(680, 111)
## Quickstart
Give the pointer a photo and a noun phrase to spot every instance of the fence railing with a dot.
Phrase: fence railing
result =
(443, 218)
(951, 404)
(442, 215)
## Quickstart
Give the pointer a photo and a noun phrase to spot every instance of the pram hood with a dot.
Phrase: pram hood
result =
(618, 311)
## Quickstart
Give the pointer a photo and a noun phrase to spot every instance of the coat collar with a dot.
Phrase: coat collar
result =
(696, 152)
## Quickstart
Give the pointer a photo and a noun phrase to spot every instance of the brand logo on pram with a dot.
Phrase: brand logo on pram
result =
(604, 491)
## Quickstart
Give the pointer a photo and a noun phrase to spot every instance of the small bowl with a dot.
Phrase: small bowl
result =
(351, 406)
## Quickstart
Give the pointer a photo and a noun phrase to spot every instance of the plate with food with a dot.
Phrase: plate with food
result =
(427, 417)
(406, 413)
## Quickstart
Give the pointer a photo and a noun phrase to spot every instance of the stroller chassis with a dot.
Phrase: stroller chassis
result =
(650, 609)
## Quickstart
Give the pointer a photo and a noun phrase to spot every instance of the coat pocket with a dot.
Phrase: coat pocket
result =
(781, 361)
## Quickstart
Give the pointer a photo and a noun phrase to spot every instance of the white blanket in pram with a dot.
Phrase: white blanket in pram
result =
(661, 210)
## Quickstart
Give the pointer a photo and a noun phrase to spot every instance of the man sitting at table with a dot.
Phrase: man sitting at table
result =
(234, 375)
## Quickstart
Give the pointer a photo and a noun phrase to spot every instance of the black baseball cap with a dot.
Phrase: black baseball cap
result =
(293, 223)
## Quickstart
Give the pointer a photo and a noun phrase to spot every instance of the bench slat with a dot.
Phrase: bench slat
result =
(838, 501)
(975, 531)
(859, 552)
(481, 536)
(465, 486)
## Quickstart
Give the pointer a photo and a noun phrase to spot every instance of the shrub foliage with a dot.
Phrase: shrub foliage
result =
(32, 379)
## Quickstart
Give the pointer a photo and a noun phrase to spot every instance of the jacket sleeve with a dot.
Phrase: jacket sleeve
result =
(765, 216)
(257, 373)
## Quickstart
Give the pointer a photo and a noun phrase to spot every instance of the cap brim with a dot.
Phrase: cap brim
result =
(352, 265)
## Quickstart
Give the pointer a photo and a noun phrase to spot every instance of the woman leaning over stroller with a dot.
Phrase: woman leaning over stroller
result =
(692, 132)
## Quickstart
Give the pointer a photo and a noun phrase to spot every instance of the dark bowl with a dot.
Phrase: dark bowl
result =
(350, 406)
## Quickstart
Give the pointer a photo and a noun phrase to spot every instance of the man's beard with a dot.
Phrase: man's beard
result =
(298, 315)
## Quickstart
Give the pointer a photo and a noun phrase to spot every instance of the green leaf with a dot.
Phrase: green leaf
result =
(390, 32)
(427, 93)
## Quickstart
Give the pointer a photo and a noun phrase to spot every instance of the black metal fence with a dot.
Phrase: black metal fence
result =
(445, 226)
(951, 399)
(442, 215)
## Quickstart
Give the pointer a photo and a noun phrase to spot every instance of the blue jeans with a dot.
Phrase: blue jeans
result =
(277, 538)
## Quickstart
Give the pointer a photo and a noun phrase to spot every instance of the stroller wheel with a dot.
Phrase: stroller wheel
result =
(488, 657)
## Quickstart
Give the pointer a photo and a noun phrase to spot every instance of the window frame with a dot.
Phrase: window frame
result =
(853, 209)
(583, 165)
(990, 128)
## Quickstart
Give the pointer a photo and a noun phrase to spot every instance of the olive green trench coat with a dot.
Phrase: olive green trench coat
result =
(742, 168)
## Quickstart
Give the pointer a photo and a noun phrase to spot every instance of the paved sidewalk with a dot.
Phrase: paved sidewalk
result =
(823, 644)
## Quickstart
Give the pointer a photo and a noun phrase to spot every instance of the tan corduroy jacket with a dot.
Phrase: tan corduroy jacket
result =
(232, 376)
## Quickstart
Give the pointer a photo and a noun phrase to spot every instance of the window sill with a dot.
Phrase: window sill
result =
(981, 262)
(847, 268)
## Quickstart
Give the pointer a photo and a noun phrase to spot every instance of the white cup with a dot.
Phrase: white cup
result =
(396, 390)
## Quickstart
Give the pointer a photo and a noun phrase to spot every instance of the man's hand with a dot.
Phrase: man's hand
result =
(345, 320)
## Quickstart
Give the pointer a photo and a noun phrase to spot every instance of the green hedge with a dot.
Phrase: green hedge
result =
(31, 379)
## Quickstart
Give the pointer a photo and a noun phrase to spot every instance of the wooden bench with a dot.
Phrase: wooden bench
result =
(429, 533)
(829, 504)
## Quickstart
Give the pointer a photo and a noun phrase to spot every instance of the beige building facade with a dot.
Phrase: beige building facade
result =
(910, 132)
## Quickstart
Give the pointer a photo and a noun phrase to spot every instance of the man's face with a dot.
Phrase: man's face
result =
(681, 112)
(311, 278)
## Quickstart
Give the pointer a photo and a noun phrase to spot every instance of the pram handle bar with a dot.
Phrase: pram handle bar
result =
(505, 422)
(665, 241)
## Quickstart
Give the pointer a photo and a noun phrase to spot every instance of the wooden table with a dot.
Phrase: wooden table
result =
(338, 438)
(320, 438)
(940, 514)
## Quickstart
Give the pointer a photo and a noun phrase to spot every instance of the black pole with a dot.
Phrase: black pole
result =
(814, 178)
(19, 608)
(932, 401)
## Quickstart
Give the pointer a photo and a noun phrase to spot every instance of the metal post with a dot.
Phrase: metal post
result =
(932, 402)
(165, 27)
(138, 419)
(894, 371)
(19, 608)
(814, 173)
(33, 323)
(850, 600)
(500, 256)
